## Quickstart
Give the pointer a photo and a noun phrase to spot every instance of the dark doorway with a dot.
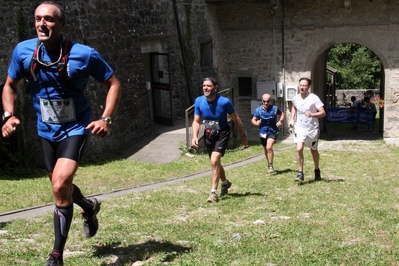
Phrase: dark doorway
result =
(161, 89)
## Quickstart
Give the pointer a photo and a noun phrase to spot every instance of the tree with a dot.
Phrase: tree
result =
(357, 66)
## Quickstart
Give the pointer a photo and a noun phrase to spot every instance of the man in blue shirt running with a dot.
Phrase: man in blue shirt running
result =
(265, 117)
(64, 117)
(214, 109)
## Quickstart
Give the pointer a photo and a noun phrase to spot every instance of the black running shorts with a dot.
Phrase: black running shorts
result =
(271, 136)
(70, 148)
(218, 143)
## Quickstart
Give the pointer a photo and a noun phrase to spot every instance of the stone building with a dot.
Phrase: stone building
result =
(281, 41)
(161, 49)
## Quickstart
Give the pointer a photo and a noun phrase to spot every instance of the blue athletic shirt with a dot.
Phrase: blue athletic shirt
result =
(216, 110)
(268, 119)
(83, 61)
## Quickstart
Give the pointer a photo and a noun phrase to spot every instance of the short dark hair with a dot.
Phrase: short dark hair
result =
(308, 80)
(61, 13)
(213, 80)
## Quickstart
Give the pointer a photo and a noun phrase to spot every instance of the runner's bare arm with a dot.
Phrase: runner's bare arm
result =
(10, 100)
(195, 128)
(100, 127)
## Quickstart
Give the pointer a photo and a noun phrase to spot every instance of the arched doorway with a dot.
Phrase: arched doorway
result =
(317, 65)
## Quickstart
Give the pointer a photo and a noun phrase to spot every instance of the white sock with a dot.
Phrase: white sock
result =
(214, 190)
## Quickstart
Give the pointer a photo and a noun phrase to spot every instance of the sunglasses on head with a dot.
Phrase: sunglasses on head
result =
(211, 80)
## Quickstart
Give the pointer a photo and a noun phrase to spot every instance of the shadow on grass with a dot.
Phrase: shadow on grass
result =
(2, 225)
(312, 181)
(246, 194)
(140, 252)
(21, 173)
(284, 171)
(361, 133)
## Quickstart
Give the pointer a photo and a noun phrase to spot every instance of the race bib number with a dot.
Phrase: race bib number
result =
(57, 111)
(303, 118)
(211, 124)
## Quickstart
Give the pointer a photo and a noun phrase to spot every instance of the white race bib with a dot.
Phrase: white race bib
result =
(57, 111)
(303, 118)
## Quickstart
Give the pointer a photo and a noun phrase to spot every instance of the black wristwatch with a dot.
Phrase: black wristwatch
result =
(6, 116)
(107, 120)
(245, 134)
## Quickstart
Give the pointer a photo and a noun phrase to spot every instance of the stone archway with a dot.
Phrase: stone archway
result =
(316, 65)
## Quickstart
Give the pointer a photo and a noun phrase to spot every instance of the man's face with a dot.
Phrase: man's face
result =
(304, 87)
(208, 88)
(48, 24)
(266, 101)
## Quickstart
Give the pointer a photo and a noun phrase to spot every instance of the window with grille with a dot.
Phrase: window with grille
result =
(245, 86)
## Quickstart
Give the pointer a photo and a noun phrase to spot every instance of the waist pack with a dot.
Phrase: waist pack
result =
(212, 134)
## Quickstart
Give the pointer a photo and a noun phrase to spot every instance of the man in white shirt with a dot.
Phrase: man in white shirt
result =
(307, 108)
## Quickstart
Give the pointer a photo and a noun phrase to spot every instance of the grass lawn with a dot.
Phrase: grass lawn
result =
(348, 218)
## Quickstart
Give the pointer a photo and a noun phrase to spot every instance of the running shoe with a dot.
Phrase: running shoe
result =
(213, 197)
(300, 177)
(317, 176)
(270, 168)
(225, 188)
(90, 222)
(53, 261)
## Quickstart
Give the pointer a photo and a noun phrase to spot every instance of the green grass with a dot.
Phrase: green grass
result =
(349, 218)
(30, 188)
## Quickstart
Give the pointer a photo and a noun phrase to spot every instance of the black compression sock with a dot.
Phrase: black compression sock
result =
(80, 200)
(62, 222)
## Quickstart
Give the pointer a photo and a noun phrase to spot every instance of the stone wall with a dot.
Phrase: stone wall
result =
(344, 96)
(291, 39)
(265, 40)
(120, 30)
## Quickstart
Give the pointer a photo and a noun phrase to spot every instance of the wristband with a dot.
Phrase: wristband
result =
(107, 120)
(6, 116)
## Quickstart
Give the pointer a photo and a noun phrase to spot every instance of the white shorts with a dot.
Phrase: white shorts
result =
(309, 138)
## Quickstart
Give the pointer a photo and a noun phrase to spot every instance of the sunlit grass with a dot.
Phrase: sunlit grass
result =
(348, 218)
(27, 189)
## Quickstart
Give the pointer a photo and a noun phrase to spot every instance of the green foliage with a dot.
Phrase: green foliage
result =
(357, 66)
(184, 149)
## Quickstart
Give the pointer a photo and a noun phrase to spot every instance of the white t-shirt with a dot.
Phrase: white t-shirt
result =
(311, 103)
